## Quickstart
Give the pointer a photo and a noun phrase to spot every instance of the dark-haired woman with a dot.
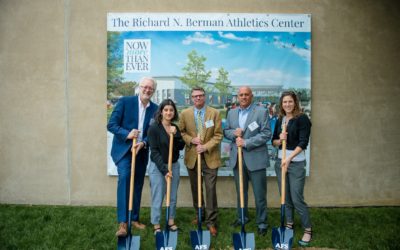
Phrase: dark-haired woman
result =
(298, 128)
(158, 136)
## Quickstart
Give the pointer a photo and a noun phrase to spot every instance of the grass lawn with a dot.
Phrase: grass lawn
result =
(67, 227)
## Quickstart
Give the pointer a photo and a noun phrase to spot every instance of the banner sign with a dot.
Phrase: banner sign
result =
(123, 22)
(270, 53)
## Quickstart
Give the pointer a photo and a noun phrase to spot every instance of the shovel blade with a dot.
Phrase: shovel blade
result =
(121, 243)
(282, 238)
(129, 243)
(166, 240)
(200, 239)
(243, 241)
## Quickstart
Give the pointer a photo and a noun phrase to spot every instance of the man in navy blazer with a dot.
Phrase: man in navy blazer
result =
(248, 127)
(131, 118)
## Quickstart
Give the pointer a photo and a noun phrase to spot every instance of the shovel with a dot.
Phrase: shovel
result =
(130, 242)
(282, 237)
(167, 240)
(200, 239)
(242, 240)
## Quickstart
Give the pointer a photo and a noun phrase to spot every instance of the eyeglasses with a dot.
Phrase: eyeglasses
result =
(197, 96)
(147, 88)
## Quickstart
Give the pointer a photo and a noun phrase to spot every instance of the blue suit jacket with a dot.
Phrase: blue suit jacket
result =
(123, 119)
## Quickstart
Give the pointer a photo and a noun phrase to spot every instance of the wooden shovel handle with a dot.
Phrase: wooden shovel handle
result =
(199, 178)
(133, 164)
(171, 144)
(283, 172)
(240, 163)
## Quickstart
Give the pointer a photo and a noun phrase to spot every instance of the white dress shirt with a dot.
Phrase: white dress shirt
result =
(142, 114)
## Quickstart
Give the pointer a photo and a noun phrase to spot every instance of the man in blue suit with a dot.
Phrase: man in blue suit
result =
(131, 118)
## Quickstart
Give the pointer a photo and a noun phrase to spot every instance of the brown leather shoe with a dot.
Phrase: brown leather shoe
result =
(138, 225)
(213, 230)
(122, 230)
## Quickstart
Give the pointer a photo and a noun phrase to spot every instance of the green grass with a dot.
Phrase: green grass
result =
(63, 227)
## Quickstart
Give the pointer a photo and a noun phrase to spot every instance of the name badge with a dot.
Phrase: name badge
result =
(209, 123)
(253, 126)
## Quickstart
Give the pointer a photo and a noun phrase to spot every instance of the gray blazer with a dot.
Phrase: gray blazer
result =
(255, 154)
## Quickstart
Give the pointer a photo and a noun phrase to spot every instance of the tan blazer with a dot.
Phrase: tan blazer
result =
(212, 137)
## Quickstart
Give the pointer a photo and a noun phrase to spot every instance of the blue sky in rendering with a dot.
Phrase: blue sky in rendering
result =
(251, 58)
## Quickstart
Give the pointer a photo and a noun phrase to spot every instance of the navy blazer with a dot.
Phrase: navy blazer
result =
(124, 118)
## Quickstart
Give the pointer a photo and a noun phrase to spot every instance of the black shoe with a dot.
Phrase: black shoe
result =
(173, 228)
(306, 243)
(236, 223)
(289, 225)
(262, 231)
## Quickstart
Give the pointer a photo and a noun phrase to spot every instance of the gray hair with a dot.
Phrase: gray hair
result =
(144, 78)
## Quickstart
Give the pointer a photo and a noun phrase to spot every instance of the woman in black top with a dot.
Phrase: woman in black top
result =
(298, 128)
(158, 136)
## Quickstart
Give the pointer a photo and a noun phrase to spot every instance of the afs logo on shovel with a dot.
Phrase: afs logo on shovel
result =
(282, 246)
(201, 247)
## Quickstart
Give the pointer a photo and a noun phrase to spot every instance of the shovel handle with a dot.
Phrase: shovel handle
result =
(199, 178)
(240, 163)
(133, 164)
(283, 172)
(171, 145)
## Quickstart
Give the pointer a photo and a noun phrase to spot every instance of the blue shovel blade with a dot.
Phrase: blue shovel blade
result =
(166, 240)
(129, 243)
(200, 239)
(282, 238)
(121, 243)
(134, 243)
(245, 243)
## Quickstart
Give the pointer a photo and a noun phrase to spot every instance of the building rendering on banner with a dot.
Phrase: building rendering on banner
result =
(173, 88)
(261, 93)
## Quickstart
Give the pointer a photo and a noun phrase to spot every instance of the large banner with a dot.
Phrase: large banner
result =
(270, 53)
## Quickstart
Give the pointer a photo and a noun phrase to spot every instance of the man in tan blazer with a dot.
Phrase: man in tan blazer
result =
(201, 130)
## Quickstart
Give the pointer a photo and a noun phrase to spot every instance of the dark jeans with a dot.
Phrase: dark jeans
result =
(124, 178)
